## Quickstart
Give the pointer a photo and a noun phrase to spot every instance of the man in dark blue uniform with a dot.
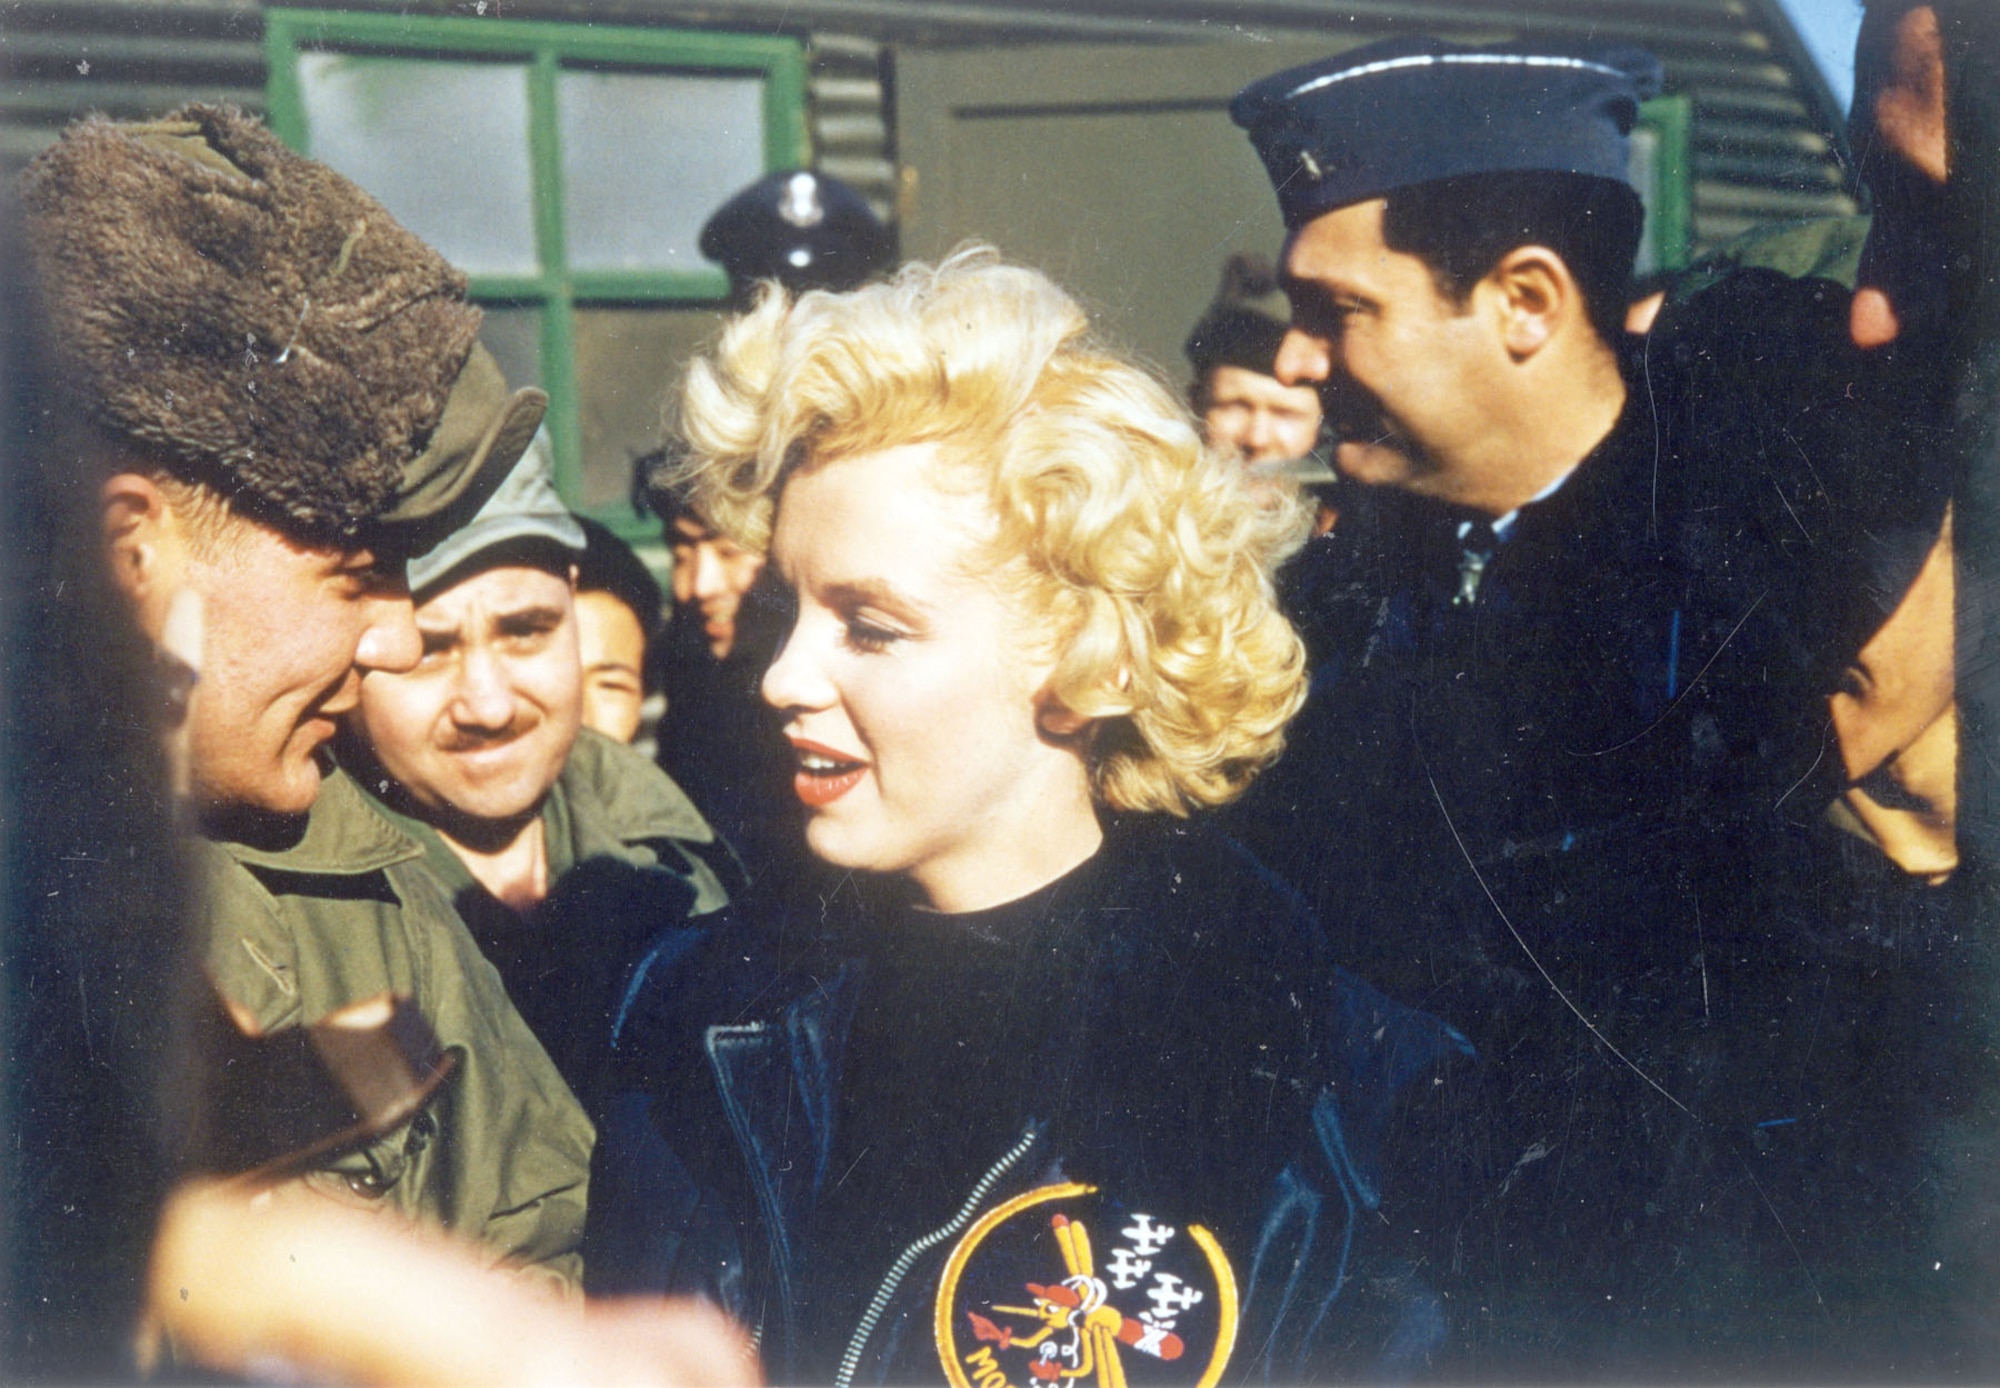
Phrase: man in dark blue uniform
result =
(1545, 794)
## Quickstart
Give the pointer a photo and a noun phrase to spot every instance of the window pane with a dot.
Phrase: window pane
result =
(444, 145)
(647, 157)
(514, 337)
(627, 360)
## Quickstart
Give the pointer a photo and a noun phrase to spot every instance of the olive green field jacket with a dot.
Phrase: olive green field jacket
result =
(501, 1154)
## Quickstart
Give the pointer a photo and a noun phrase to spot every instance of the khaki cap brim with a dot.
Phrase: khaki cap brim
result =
(481, 435)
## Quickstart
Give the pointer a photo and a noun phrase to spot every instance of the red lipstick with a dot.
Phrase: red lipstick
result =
(824, 775)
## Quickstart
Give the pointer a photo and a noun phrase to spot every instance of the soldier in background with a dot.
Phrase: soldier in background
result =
(1234, 350)
(1276, 430)
(565, 852)
(805, 230)
(617, 618)
(718, 738)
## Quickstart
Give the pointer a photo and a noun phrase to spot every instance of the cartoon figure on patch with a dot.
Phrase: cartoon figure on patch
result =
(1025, 1298)
(1080, 1305)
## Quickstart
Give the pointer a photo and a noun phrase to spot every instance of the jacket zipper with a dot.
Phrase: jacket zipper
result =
(907, 1259)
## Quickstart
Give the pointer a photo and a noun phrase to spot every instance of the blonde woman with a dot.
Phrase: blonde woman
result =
(1071, 1092)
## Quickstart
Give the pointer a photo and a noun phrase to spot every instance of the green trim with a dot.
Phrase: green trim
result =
(602, 286)
(1671, 118)
(551, 242)
(525, 38)
(548, 46)
(785, 121)
(284, 103)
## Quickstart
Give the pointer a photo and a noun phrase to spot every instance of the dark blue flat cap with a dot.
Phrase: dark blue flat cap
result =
(1415, 110)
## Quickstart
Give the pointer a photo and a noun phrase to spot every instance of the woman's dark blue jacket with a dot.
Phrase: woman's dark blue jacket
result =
(1196, 1059)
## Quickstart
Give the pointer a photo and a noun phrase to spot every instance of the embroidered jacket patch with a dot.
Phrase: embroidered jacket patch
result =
(1063, 1285)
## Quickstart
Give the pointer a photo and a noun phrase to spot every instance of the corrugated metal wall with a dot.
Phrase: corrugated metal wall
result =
(60, 59)
(1764, 141)
(848, 115)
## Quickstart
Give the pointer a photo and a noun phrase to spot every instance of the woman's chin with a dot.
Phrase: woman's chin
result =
(831, 846)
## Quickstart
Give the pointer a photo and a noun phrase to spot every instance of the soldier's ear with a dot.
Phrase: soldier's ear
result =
(145, 545)
(1532, 291)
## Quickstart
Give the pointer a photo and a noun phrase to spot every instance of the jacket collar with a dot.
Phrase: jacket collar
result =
(616, 794)
(344, 836)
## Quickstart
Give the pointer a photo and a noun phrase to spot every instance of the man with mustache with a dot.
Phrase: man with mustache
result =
(279, 394)
(566, 853)
(1558, 791)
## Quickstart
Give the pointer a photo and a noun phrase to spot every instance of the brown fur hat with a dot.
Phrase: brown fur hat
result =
(244, 316)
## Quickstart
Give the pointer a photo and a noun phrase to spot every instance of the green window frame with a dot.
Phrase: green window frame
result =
(556, 289)
(1668, 192)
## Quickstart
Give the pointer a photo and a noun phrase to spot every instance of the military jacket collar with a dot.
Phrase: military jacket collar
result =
(608, 802)
(345, 835)
(627, 801)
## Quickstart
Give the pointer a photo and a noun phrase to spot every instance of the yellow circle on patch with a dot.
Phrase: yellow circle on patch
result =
(1064, 1285)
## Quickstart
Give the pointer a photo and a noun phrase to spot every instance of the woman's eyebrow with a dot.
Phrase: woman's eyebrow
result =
(878, 592)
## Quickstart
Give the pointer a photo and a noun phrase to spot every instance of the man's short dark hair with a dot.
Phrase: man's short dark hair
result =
(609, 566)
(1462, 227)
(655, 489)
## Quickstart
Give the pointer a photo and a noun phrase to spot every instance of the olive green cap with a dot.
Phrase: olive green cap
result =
(484, 431)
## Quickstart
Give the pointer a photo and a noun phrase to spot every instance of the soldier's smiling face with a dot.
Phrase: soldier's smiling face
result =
(481, 728)
(278, 630)
(287, 631)
(1401, 368)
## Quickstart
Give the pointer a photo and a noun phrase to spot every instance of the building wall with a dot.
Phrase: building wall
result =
(926, 108)
(1765, 141)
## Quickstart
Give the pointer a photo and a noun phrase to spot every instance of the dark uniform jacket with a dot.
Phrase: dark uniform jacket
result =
(893, 1140)
(346, 913)
(1557, 817)
(722, 743)
(629, 857)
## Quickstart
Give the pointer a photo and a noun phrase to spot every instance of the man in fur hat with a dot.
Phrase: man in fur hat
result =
(280, 394)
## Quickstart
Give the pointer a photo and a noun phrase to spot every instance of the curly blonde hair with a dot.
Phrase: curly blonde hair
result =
(1146, 554)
